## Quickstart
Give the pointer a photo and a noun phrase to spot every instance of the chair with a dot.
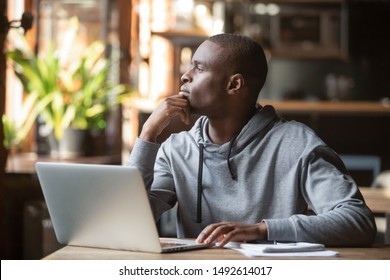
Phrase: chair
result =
(363, 163)
(383, 223)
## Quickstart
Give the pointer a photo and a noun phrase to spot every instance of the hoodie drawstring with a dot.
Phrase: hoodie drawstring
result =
(200, 186)
(229, 164)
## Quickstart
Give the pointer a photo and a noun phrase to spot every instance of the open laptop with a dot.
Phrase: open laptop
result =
(103, 206)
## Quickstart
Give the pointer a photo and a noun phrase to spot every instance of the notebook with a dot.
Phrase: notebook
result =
(103, 206)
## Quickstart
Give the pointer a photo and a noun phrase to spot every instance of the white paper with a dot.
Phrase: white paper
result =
(299, 249)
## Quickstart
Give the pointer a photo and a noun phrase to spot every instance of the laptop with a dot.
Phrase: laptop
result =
(103, 206)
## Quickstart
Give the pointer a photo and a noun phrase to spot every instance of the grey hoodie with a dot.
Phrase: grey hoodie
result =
(272, 171)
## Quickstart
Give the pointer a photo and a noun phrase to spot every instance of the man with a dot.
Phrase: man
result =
(242, 173)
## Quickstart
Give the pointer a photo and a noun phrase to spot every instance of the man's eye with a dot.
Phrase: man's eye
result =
(199, 69)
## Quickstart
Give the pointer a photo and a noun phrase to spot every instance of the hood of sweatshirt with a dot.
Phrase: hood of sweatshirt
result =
(258, 124)
(257, 127)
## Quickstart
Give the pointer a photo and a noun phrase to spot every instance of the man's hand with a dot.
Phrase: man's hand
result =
(225, 232)
(172, 106)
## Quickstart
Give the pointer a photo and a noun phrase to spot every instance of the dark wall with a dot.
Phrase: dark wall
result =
(369, 45)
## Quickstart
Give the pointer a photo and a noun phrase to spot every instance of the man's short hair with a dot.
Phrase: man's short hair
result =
(245, 56)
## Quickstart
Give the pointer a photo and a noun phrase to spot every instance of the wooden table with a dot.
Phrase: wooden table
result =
(377, 199)
(381, 252)
(24, 163)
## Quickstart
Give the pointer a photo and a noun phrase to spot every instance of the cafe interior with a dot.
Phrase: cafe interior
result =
(328, 68)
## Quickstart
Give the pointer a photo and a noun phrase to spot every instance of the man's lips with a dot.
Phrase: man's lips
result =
(184, 93)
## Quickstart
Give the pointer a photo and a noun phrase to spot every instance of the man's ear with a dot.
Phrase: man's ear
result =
(236, 83)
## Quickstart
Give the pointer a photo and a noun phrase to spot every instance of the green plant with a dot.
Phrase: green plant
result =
(89, 91)
(15, 131)
(77, 95)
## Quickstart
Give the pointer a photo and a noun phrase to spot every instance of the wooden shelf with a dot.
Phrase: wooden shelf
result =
(184, 37)
(329, 107)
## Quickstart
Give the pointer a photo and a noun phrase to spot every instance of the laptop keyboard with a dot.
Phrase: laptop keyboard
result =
(171, 244)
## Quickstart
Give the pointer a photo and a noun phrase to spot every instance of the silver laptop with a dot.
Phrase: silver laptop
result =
(104, 206)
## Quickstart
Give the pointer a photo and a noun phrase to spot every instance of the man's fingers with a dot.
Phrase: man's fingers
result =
(231, 231)
(171, 107)
(213, 233)
(185, 115)
(206, 233)
(181, 106)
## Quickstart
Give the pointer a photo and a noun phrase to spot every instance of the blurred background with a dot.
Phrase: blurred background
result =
(99, 67)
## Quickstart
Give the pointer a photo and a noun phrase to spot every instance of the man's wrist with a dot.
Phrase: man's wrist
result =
(148, 136)
(263, 231)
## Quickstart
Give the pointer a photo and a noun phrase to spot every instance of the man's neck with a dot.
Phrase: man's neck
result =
(223, 130)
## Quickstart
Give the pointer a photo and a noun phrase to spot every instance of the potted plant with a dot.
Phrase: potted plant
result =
(74, 96)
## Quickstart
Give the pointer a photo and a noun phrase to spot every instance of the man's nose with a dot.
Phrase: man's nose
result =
(185, 78)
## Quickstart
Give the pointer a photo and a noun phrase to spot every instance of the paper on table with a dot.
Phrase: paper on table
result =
(299, 249)
(283, 247)
(323, 253)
